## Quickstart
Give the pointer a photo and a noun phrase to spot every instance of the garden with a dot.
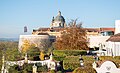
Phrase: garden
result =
(68, 59)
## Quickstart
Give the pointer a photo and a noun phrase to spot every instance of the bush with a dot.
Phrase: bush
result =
(42, 68)
(69, 52)
(115, 59)
(106, 58)
(42, 55)
(70, 65)
(72, 62)
(52, 71)
(59, 72)
(58, 58)
(28, 67)
(13, 69)
(84, 70)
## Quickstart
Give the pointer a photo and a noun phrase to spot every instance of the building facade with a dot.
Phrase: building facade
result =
(113, 43)
(95, 36)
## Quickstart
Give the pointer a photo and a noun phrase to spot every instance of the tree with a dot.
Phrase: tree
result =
(72, 38)
(42, 55)
(26, 45)
(10, 51)
(43, 45)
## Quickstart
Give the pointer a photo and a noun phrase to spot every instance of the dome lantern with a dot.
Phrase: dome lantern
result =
(58, 21)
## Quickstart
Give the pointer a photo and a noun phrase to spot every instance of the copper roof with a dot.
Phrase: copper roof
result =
(114, 38)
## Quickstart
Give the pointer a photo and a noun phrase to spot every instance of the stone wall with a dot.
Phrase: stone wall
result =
(38, 40)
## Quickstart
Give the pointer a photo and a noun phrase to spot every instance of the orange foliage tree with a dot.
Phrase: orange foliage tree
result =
(73, 38)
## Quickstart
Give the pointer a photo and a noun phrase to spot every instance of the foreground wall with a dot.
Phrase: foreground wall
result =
(33, 39)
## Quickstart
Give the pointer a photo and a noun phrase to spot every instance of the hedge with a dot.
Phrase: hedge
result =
(115, 59)
(84, 70)
(72, 62)
(69, 52)
(52, 71)
(58, 58)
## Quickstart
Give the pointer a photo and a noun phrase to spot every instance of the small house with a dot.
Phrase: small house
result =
(113, 45)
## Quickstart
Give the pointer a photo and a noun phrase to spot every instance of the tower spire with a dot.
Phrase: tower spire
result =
(59, 13)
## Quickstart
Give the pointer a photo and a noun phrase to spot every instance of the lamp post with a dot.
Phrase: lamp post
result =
(26, 59)
(94, 65)
(4, 66)
(81, 61)
(34, 69)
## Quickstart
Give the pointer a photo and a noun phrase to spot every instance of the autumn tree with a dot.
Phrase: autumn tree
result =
(73, 38)
(26, 45)
(43, 46)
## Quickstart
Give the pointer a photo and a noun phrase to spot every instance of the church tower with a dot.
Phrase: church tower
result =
(58, 21)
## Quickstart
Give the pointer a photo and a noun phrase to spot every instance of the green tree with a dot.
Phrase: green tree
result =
(10, 51)
(72, 38)
(6, 45)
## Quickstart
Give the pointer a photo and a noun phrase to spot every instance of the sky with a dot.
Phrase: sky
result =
(15, 14)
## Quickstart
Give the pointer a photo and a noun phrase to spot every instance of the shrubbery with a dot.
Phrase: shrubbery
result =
(59, 72)
(69, 52)
(27, 68)
(58, 58)
(42, 68)
(52, 71)
(115, 59)
(106, 57)
(72, 62)
(84, 70)
(109, 58)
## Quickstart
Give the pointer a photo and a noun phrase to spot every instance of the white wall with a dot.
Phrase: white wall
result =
(113, 48)
(94, 41)
(117, 26)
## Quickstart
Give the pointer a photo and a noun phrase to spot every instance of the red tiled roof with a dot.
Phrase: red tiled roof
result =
(114, 38)
(100, 29)
(87, 29)
(92, 29)
(107, 29)
(43, 29)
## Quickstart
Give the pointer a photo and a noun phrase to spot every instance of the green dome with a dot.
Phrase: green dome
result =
(59, 17)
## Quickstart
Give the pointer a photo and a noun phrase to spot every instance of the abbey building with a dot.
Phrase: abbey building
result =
(58, 24)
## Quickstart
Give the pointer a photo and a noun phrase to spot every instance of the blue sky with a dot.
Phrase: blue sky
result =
(15, 14)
